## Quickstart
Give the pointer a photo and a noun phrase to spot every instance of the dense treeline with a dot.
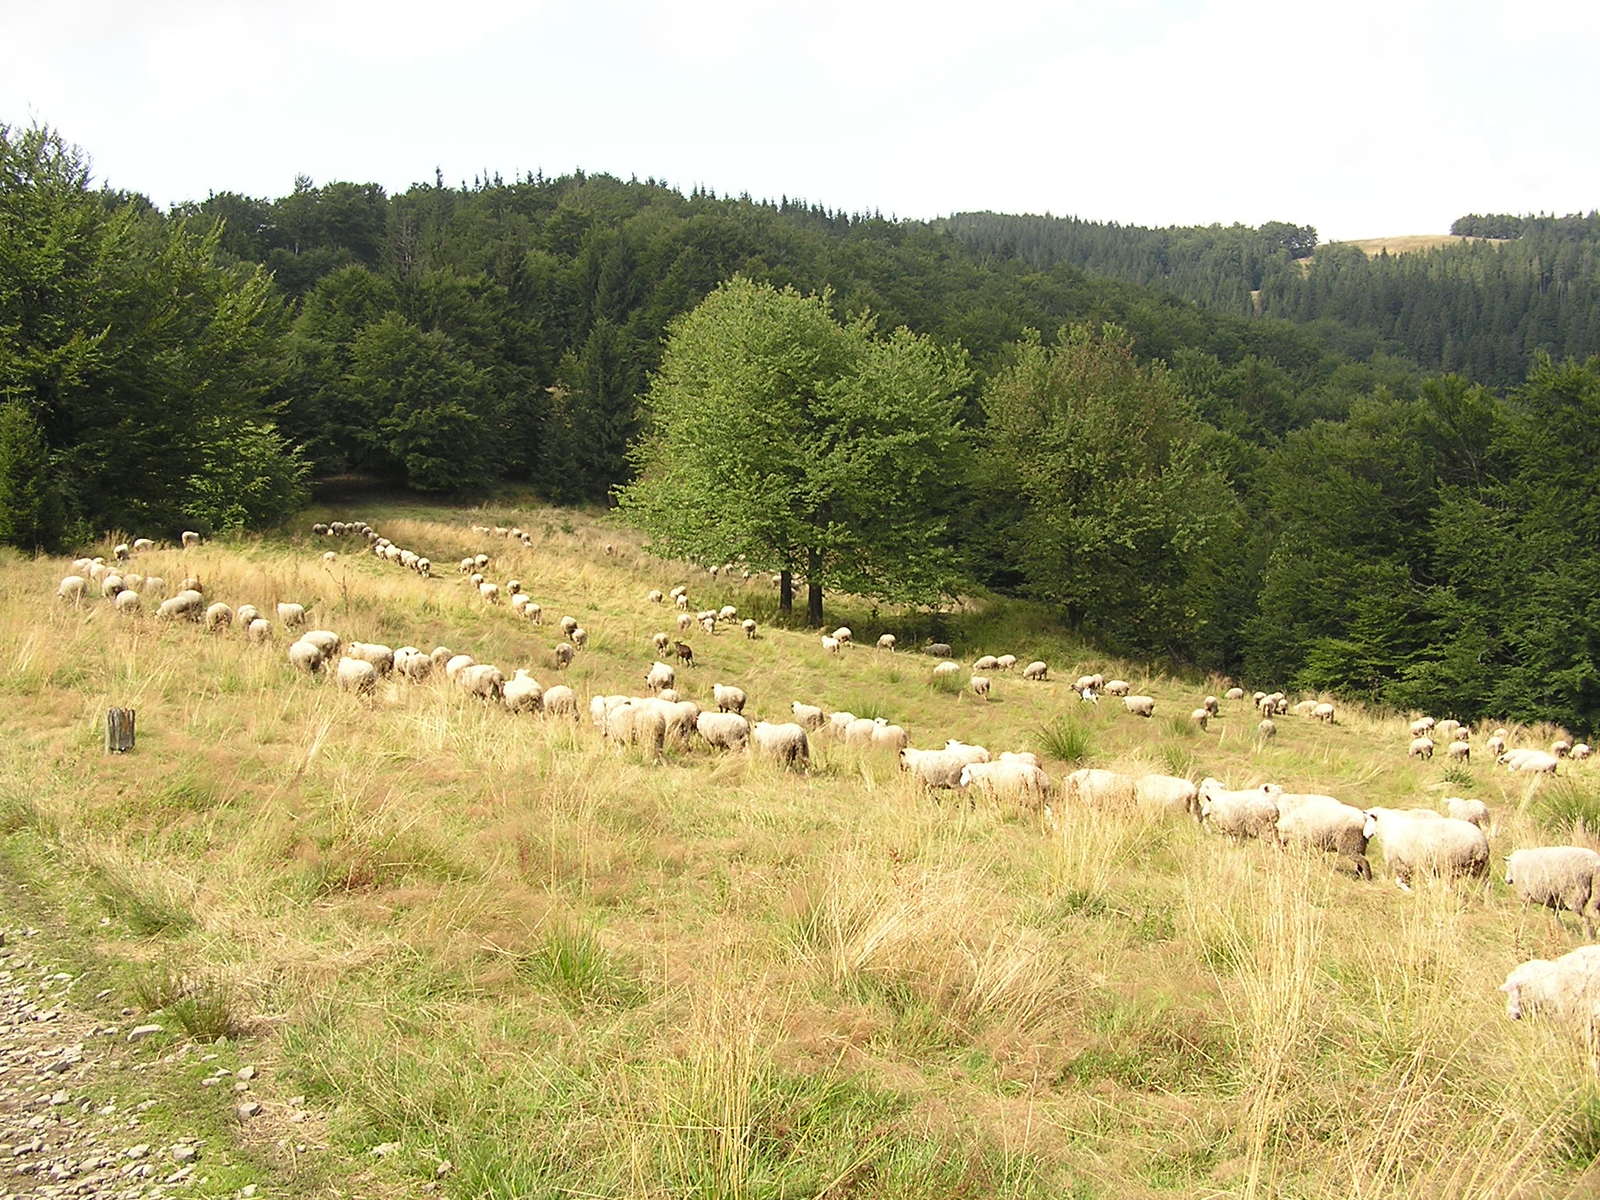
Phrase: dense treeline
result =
(1286, 502)
(1484, 309)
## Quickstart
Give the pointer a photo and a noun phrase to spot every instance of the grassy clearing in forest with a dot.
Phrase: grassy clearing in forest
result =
(574, 971)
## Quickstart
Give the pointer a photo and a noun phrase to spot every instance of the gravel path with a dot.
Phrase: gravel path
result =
(53, 1140)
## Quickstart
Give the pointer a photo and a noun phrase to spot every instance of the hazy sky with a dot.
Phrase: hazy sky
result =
(1362, 117)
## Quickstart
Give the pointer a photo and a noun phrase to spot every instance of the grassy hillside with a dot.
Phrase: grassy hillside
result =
(573, 971)
(1408, 243)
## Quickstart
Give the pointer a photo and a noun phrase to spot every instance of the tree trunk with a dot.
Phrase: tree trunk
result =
(786, 592)
(119, 730)
(814, 587)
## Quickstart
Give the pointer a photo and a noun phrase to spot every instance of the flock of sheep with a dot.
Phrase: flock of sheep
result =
(1415, 842)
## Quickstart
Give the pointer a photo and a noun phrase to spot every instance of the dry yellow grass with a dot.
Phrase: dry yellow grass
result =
(1408, 243)
(577, 971)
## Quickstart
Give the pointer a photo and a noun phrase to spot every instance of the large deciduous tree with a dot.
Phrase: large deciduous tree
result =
(1128, 520)
(780, 437)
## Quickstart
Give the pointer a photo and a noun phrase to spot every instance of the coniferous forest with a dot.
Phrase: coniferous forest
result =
(1232, 448)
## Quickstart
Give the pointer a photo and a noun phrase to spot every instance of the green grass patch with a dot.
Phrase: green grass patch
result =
(573, 965)
(1066, 739)
(1565, 805)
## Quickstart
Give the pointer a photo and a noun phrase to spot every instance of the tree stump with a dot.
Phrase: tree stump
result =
(119, 730)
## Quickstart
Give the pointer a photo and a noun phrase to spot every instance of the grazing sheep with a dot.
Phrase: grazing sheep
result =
(1023, 756)
(140, 545)
(1567, 988)
(636, 723)
(304, 656)
(728, 698)
(189, 538)
(291, 615)
(843, 634)
(480, 561)
(563, 654)
(424, 567)
(681, 600)
(1200, 717)
(1140, 706)
(1561, 878)
(724, 730)
(112, 584)
(323, 639)
(1581, 750)
(709, 624)
(534, 612)
(1088, 682)
(415, 665)
(1421, 747)
(886, 642)
(246, 613)
(1036, 670)
(1006, 662)
(940, 649)
(1462, 809)
(946, 669)
(1234, 693)
(987, 663)
(440, 655)
(933, 768)
(1536, 762)
(831, 644)
(1250, 812)
(809, 715)
(966, 751)
(522, 692)
(980, 687)
(456, 664)
(218, 616)
(1166, 795)
(1429, 844)
(567, 625)
(838, 721)
(660, 675)
(519, 602)
(1304, 708)
(684, 653)
(888, 737)
(154, 585)
(786, 742)
(355, 675)
(1444, 731)
(126, 601)
(1326, 824)
(73, 588)
(685, 622)
(483, 680)
(329, 556)
(1097, 787)
(670, 695)
(663, 642)
(1324, 713)
(191, 584)
(1212, 705)
(749, 627)
(653, 596)
(1011, 780)
(465, 566)
(514, 587)
(1560, 747)
(1459, 750)
(859, 732)
(727, 613)
(381, 657)
(1422, 725)
(258, 630)
(580, 637)
(187, 604)
(561, 701)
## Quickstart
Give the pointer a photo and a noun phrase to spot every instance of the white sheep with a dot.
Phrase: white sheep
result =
(1459, 750)
(685, 622)
(113, 583)
(246, 613)
(1562, 878)
(141, 545)
(329, 556)
(839, 721)
(480, 561)
(1537, 762)
(724, 730)
(154, 585)
(653, 596)
(355, 675)
(859, 732)
(660, 675)
(483, 680)
(1233, 693)
(1414, 843)
(189, 538)
(1006, 662)
(888, 737)
(73, 588)
(749, 627)
(946, 670)
(1140, 706)
(439, 656)
(563, 654)
(126, 601)
(831, 644)
(1582, 750)
(843, 634)
(1567, 988)
(323, 639)
(987, 663)
(1097, 787)
(787, 743)
(1267, 727)
(413, 664)
(561, 701)
(1463, 809)
(933, 768)
(1242, 813)
(966, 751)
(567, 625)
(1023, 756)
(1327, 824)
(522, 692)
(534, 612)
(637, 723)
(663, 642)
(305, 656)
(1561, 747)
(681, 600)
(809, 715)
(1422, 725)
(291, 615)
(1036, 670)
(728, 698)
(218, 616)
(1200, 716)
(980, 687)
(727, 613)
(1212, 705)
(187, 604)
(490, 593)
(1166, 795)
(886, 642)
(456, 664)
(1421, 747)
(580, 637)
(1323, 712)
(258, 630)
(381, 657)
(1016, 781)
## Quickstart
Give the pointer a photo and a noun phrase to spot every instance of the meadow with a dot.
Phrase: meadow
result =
(575, 971)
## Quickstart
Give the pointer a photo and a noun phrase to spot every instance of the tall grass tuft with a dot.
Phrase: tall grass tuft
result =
(571, 963)
(945, 685)
(1066, 739)
(1566, 806)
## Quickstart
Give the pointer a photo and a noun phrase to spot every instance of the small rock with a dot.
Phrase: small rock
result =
(247, 1191)
(249, 1109)
(384, 1148)
(101, 995)
(248, 1072)
(58, 1099)
(444, 1168)
(138, 1151)
(183, 1152)
(139, 1032)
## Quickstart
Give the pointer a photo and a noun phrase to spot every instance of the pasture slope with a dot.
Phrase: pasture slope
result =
(572, 971)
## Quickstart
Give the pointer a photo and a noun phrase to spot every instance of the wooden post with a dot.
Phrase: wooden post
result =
(119, 730)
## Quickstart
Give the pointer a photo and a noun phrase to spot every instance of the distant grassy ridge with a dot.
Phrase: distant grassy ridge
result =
(575, 971)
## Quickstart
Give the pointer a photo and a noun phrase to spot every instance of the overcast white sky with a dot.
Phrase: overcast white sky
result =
(1362, 117)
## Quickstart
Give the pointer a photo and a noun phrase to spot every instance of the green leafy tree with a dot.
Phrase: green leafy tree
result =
(1127, 518)
(779, 437)
(30, 509)
(246, 475)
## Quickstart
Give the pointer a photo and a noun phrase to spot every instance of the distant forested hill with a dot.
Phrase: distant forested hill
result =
(1485, 309)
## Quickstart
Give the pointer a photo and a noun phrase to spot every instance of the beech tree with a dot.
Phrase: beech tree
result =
(781, 438)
